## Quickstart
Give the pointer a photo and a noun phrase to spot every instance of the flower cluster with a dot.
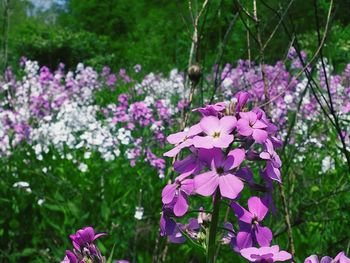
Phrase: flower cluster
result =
(339, 258)
(292, 98)
(224, 142)
(85, 251)
(58, 111)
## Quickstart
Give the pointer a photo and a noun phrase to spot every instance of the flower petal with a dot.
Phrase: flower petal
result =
(244, 240)
(227, 124)
(282, 256)
(223, 141)
(176, 137)
(243, 127)
(206, 142)
(168, 193)
(194, 130)
(241, 213)
(263, 235)
(257, 207)
(311, 259)
(250, 253)
(265, 156)
(326, 259)
(209, 124)
(181, 205)
(187, 186)
(206, 183)
(259, 136)
(230, 186)
(259, 125)
(173, 152)
(234, 159)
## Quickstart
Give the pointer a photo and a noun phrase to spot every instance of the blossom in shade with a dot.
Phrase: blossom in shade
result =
(217, 132)
(221, 175)
(167, 223)
(251, 230)
(84, 237)
(230, 237)
(191, 229)
(265, 254)
(177, 193)
(250, 125)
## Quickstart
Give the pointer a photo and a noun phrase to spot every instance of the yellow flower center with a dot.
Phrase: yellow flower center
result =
(216, 135)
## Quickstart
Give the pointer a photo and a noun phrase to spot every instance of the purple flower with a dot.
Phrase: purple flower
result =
(242, 98)
(250, 125)
(191, 229)
(167, 224)
(84, 237)
(177, 193)
(217, 132)
(70, 257)
(340, 258)
(273, 161)
(230, 237)
(251, 231)
(265, 254)
(137, 68)
(212, 110)
(221, 175)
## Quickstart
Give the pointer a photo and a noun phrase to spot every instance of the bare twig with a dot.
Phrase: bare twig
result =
(304, 69)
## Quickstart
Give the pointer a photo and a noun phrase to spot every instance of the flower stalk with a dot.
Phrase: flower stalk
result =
(211, 247)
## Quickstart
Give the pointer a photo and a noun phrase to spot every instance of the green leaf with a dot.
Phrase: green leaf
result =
(111, 255)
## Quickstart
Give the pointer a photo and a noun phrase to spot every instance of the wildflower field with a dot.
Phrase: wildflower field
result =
(175, 131)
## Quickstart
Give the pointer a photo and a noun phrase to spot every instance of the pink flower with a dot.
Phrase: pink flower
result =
(177, 193)
(251, 231)
(218, 132)
(221, 175)
(182, 140)
(249, 125)
(265, 254)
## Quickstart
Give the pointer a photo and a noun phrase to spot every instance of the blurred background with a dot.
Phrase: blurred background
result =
(69, 188)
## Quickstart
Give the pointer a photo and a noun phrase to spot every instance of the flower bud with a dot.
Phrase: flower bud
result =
(194, 73)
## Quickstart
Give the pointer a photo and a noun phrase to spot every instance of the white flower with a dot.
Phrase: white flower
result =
(22, 185)
(87, 155)
(327, 164)
(139, 212)
(288, 98)
(83, 167)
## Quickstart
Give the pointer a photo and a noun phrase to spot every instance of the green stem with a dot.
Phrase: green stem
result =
(211, 248)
